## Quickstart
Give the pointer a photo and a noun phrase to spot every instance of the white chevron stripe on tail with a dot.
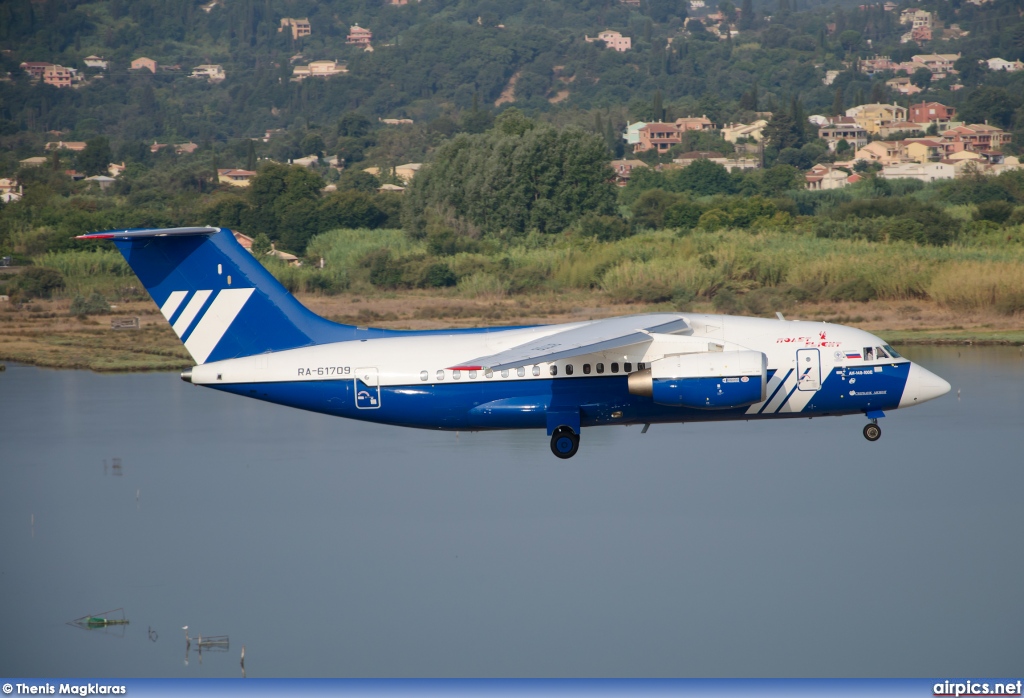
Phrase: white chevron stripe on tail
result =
(172, 303)
(211, 328)
(184, 321)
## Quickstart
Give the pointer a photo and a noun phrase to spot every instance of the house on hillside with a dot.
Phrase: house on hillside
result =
(236, 178)
(144, 63)
(871, 117)
(35, 68)
(837, 131)
(96, 62)
(657, 136)
(891, 129)
(76, 146)
(924, 149)
(976, 137)
(300, 27)
(318, 69)
(407, 171)
(882, 152)
(823, 177)
(624, 169)
(931, 113)
(212, 72)
(632, 133)
(37, 161)
(925, 172)
(903, 85)
(753, 131)
(915, 17)
(694, 123)
(1004, 65)
(359, 36)
(10, 190)
(729, 163)
(58, 75)
(939, 63)
(612, 39)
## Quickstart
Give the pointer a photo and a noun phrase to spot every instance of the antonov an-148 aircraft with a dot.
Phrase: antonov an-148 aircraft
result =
(249, 336)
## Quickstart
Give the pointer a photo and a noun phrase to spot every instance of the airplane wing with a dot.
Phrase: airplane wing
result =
(600, 335)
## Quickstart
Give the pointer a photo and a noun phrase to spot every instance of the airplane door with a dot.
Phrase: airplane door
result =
(808, 369)
(367, 389)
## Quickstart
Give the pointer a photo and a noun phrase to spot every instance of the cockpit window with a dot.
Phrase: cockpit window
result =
(892, 352)
(869, 353)
(880, 353)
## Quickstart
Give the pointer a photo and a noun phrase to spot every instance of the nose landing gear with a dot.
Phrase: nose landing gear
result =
(565, 442)
(872, 432)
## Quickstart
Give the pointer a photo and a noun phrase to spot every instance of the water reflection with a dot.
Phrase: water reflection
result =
(111, 622)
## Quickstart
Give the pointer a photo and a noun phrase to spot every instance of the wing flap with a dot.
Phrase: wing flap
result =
(597, 336)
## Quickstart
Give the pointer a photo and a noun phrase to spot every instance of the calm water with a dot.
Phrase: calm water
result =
(336, 548)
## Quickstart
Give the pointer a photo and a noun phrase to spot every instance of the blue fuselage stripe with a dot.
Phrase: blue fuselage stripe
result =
(524, 404)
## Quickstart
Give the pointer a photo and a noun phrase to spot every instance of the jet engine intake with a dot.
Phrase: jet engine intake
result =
(712, 380)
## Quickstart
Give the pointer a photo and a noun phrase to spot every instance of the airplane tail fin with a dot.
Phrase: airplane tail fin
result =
(217, 297)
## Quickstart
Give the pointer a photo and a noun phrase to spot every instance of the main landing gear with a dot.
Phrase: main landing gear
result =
(565, 442)
(872, 432)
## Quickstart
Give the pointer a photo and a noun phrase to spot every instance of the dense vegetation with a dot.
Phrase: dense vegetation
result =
(516, 115)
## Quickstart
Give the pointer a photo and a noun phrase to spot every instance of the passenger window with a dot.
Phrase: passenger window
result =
(600, 368)
(536, 370)
(440, 375)
(568, 369)
(521, 371)
(615, 367)
(456, 375)
(627, 367)
(488, 373)
(553, 370)
(504, 374)
(586, 368)
(641, 366)
(472, 375)
(424, 375)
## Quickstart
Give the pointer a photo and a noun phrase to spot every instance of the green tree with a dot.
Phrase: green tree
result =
(922, 78)
(515, 179)
(96, 157)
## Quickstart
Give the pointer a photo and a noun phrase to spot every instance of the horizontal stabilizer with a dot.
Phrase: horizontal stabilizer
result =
(600, 335)
(137, 233)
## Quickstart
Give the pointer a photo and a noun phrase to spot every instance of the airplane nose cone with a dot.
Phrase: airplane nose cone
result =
(922, 385)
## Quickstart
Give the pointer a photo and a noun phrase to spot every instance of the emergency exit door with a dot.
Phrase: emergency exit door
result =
(808, 369)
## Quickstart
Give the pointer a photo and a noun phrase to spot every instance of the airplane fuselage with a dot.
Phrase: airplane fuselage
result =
(813, 369)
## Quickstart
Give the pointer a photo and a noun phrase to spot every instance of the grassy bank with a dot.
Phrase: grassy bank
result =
(971, 291)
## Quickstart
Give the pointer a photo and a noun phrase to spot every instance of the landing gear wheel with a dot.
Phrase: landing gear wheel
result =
(872, 432)
(565, 442)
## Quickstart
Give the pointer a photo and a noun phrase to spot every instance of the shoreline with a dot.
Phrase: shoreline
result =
(43, 334)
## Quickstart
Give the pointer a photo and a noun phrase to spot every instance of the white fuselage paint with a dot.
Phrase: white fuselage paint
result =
(401, 360)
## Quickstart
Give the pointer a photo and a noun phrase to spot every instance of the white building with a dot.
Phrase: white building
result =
(213, 73)
(925, 172)
(1000, 64)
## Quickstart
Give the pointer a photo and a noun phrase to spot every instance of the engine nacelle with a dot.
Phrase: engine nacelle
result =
(712, 380)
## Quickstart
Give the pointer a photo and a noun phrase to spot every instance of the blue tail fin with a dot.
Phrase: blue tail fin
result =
(221, 302)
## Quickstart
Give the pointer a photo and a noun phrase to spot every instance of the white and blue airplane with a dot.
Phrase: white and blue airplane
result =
(249, 336)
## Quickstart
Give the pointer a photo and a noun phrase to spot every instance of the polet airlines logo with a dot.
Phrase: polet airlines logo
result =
(201, 324)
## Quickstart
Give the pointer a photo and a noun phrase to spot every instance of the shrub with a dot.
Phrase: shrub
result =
(37, 282)
(604, 228)
(95, 304)
(995, 211)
